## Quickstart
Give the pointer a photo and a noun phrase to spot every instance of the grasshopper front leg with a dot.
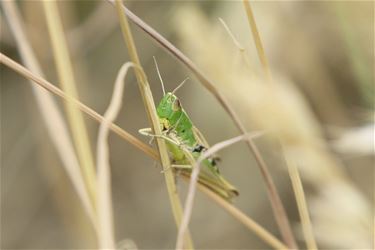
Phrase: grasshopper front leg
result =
(181, 145)
(148, 132)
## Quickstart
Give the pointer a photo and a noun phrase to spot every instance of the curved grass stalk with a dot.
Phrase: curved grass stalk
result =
(104, 199)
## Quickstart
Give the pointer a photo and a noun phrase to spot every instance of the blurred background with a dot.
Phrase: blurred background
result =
(320, 108)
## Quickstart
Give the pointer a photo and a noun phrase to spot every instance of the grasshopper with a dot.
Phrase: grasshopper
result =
(185, 144)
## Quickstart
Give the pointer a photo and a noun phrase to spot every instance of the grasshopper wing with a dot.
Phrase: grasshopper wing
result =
(199, 137)
(217, 183)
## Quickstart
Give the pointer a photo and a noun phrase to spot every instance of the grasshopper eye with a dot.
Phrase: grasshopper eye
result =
(176, 105)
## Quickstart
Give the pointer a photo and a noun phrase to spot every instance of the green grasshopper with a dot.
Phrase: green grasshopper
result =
(185, 142)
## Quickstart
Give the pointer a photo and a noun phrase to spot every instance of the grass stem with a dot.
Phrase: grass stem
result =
(66, 76)
(151, 111)
(258, 42)
(301, 202)
(281, 219)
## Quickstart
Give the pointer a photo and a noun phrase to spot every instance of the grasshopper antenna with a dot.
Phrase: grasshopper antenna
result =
(179, 86)
(161, 79)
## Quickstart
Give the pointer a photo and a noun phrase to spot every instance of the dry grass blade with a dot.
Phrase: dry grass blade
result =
(151, 111)
(66, 76)
(301, 203)
(49, 111)
(52, 88)
(194, 180)
(257, 40)
(281, 220)
(235, 41)
(276, 204)
(104, 200)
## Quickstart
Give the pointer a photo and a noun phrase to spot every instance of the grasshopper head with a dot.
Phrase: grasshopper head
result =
(168, 106)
